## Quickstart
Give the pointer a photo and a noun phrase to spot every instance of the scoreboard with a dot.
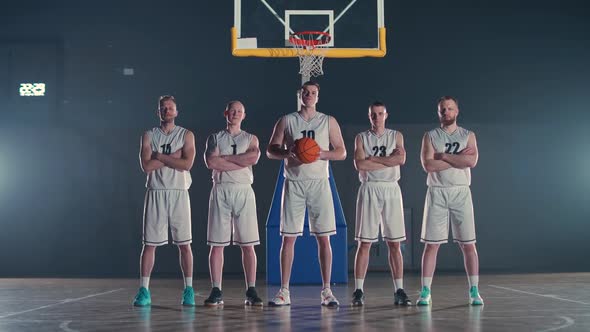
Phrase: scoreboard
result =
(29, 80)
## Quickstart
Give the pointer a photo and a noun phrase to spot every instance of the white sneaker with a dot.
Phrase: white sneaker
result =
(283, 297)
(328, 299)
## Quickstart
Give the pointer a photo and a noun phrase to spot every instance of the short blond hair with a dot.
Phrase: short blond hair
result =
(165, 98)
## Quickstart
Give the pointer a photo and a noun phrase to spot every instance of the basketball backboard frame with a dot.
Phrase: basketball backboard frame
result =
(247, 46)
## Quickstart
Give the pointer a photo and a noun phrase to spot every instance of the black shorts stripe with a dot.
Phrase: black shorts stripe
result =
(365, 238)
(149, 242)
(226, 242)
(317, 233)
(426, 240)
(242, 243)
(394, 238)
(456, 240)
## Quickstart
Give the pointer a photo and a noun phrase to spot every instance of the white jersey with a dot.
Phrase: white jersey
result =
(166, 177)
(317, 128)
(449, 143)
(380, 146)
(229, 145)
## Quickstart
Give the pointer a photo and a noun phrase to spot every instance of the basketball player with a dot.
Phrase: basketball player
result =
(448, 154)
(230, 154)
(307, 186)
(378, 154)
(167, 155)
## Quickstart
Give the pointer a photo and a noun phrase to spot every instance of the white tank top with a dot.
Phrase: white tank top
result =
(449, 143)
(228, 145)
(318, 129)
(380, 146)
(166, 177)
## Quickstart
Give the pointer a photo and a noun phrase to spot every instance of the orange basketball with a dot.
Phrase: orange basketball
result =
(307, 150)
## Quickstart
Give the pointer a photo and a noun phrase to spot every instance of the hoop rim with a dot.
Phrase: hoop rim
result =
(312, 41)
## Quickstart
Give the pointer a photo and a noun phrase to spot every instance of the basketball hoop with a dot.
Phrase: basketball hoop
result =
(311, 47)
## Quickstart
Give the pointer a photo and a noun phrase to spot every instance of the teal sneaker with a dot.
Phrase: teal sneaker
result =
(143, 298)
(188, 297)
(474, 298)
(424, 298)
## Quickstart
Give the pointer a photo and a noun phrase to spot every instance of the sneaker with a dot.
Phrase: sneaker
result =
(283, 297)
(142, 298)
(252, 297)
(188, 297)
(215, 298)
(401, 298)
(474, 298)
(328, 299)
(424, 298)
(358, 298)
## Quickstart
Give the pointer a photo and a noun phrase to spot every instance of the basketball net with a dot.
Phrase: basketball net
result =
(311, 47)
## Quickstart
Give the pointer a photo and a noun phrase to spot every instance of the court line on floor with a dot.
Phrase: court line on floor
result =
(64, 326)
(568, 322)
(60, 303)
(543, 295)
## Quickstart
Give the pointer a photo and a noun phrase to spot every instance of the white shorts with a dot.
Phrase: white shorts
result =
(316, 196)
(442, 204)
(232, 216)
(164, 208)
(379, 205)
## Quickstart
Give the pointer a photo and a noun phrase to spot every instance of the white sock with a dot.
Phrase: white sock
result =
(286, 286)
(358, 283)
(145, 282)
(252, 284)
(217, 284)
(188, 281)
(398, 283)
(326, 286)
(473, 280)
(426, 281)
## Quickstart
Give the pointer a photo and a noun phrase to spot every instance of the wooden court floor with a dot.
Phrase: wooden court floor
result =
(516, 302)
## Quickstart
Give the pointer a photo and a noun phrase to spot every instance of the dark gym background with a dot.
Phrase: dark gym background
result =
(71, 190)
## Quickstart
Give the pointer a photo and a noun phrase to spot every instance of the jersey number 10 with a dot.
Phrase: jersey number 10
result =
(166, 148)
(308, 133)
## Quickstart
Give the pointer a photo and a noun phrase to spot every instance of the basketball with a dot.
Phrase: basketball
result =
(307, 150)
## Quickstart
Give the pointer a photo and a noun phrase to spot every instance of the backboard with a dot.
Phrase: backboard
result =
(262, 27)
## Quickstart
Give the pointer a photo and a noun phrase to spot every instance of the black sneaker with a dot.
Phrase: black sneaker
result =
(252, 297)
(358, 298)
(215, 298)
(400, 298)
